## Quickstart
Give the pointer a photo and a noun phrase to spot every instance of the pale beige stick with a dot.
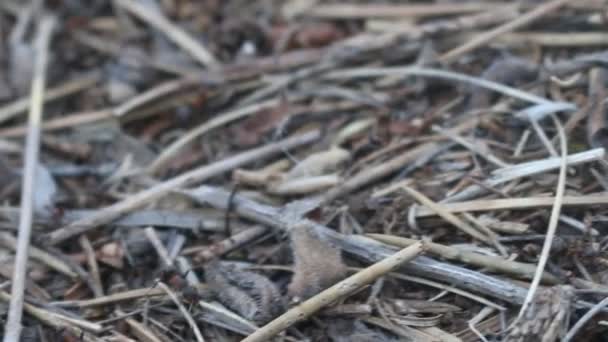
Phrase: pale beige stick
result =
(483, 228)
(492, 263)
(513, 204)
(113, 298)
(552, 39)
(13, 109)
(9, 241)
(553, 221)
(138, 329)
(173, 32)
(62, 122)
(359, 11)
(303, 186)
(483, 152)
(184, 311)
(141, 331)
(85, 243)
(75, 119)
(451, 218)
(338, 291)
(192, 177)
(162, 252)
(55, 320)
(486, 37)
(447, 288)
(32, 150)
(153, 94)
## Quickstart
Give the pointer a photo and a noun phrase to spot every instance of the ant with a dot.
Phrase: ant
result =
(178, 283)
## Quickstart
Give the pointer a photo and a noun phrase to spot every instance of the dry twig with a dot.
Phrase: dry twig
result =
(13, 323)
(179, 36)
(114, 211)
(340, 290)
(553, 220)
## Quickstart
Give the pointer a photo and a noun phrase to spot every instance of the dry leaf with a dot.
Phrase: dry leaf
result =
(317, 264)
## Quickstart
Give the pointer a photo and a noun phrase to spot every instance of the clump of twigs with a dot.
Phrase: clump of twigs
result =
(228, 170)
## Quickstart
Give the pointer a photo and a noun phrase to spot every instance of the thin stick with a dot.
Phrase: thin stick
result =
(162, 252)
(451, 218)
(142, 332)
(493, 263)
(447, 288)
(504, 175)
(93, 266)
(111, 299)
(486, 37)
(32, 149)
(513, 204)
(51, 261)
(543, 137)
(553, 220)
(55, 320)
(475, 148)
(436, 73)
(62, 122)
(583, 320)
(338, 291)
(154, 93)
(13, 109)
(174, 33)
(141, 198)
(184, 311)
(551, 39)
(361, 11)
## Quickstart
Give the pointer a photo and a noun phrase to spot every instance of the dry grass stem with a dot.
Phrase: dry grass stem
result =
(485, 37)
(553, 220)
(173, 32)
(446, 215)
(493, 263)
(184, 311)
(340, 290)
(12, 330)
(114, 211)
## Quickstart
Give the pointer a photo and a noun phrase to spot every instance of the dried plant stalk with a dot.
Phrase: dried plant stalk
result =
(518, 269)
(339, 290)
(13, 324)
(137, 200)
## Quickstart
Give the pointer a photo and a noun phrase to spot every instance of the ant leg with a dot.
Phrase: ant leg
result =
(230, 209)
